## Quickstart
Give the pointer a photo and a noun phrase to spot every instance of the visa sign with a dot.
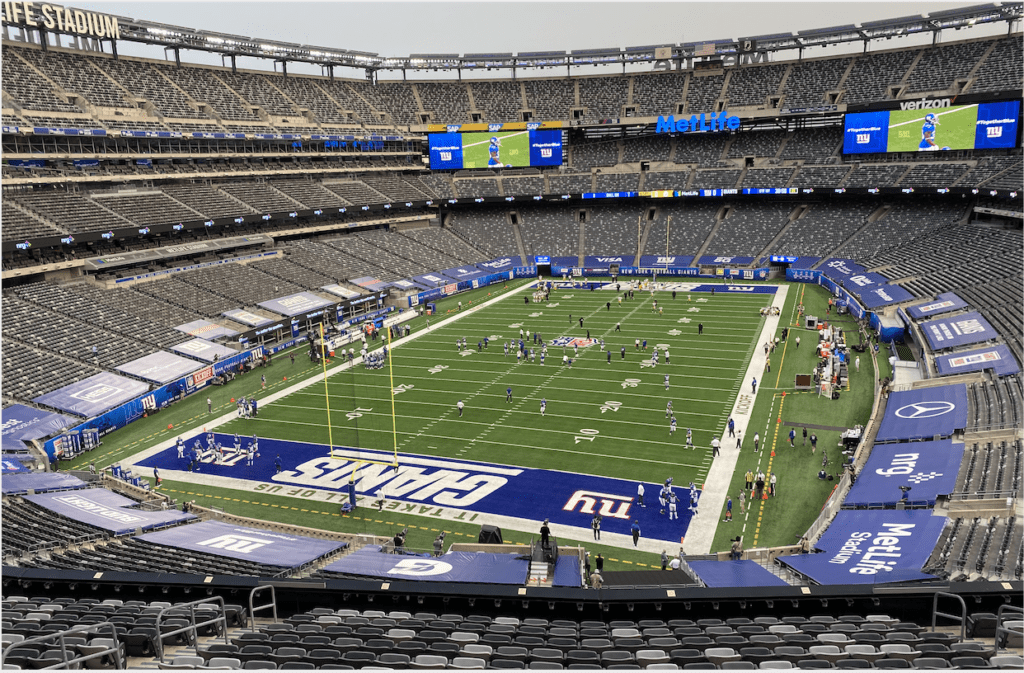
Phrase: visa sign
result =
(697, 124)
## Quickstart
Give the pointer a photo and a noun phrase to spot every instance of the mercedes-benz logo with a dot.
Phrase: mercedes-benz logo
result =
(925, 409)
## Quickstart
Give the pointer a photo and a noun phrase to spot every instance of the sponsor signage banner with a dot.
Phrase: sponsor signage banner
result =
(456, 566)
(501, 264)
(247, 544)
(204, 350)
(872, 547)
(21, 423)
(959, 330)
(924, 413)
(296, 304)
(14, 484)
(722, 260)
(422, 484)
(468, 272)
(205, 329)
(432, 279)
(944, 303)
(595, 261)
(998, 358)
(734, 574)
(159, 367)
(107, 510)
(670, 261)
(246, 317)
(94, 395)
(803, 275)
(11, 465)
(926, 469)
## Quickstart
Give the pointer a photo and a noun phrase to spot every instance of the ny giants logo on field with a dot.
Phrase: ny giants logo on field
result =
(608, 501)
(565, 341)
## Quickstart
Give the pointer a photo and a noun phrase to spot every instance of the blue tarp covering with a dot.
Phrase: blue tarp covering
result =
(107, 510)
(296, 304)
(246, 317)
(456, 566)
(429, 482)
(501, 264)
(841, 269)
(205, 329)
(204, 350)
(997, 357)
(14, 484)
(22, 423)
(468, 272)
(944, 303)
(11, 465)
(432, 279)
(958, 330)
(804, 262)
(647, 261)
(924, 413)
(249, 544)
(94, 395)
(735, 574)
(159, 367)
(872, 547)
(883, 295)
(567, 572)
(928, 468)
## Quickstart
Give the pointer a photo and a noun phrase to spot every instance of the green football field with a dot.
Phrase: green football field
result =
(603, 418)
(515, 149)
(956, 128)
(702, 392)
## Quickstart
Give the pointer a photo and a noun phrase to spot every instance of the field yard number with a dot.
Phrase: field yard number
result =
(693, 309)
(437, 369)
(683, 320)
(537, 315)
(702, 300)
(631, 383)
(357, 413)
(586, 434)
(610, 406)
(555, 305)
(466, 352)
(663, 347)
(568, 296)
(516, 325)
(646, 363)
(494, 337)
(674, 332)
(402, 388)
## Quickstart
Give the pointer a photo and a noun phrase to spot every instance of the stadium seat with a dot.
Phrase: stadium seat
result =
(738, 666)
(775, 664)
(297, 665)
(930, 663)
(969, 663)
(648, 658)
(814, 663)
(224, 662)
(892, 663)
(259, 665)
(720, 655)
(467, 663)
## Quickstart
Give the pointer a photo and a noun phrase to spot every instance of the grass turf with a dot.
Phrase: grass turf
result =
(631, 441)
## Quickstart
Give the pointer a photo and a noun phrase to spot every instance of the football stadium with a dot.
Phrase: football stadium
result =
(324, 358)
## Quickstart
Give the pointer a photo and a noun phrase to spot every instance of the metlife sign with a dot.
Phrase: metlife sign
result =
(702, 123)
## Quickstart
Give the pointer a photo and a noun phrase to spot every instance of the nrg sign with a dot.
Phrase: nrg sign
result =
(696, 124)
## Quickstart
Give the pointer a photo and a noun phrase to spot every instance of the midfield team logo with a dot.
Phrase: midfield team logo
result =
(572, 341)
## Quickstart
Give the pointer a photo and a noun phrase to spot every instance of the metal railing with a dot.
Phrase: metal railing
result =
(253, 609)
(120, 661)
(1003, 633)
(192, 628)
(959, 618)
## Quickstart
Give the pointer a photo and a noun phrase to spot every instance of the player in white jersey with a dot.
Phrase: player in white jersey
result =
(181, 448)
(663, 499)
(666, 381)
(543, 406)
(672, 513)
(519, 356)
(210, 443)
(689, 437)
(506, 349)
(668, 409)
(672, 427)
(250, 454)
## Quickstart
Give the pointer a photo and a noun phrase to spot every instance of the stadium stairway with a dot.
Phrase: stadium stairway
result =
(872, 218)
(719, 218)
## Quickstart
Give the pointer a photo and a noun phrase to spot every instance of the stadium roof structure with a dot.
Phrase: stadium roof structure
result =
(176, 38)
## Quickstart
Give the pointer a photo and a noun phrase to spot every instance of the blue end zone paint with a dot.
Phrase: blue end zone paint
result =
(737, 288)
(563, 497)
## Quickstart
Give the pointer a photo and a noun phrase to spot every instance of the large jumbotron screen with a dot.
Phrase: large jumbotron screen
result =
(508, 149)
(958, 127)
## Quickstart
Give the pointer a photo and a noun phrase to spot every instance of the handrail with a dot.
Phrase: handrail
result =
(192, 627)
(119, 662)
(271, 605)
(962, 617)
(1000, 629)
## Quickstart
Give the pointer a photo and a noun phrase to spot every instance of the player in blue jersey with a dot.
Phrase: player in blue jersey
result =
(543, 406)
(928, 143)
(494, 149)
